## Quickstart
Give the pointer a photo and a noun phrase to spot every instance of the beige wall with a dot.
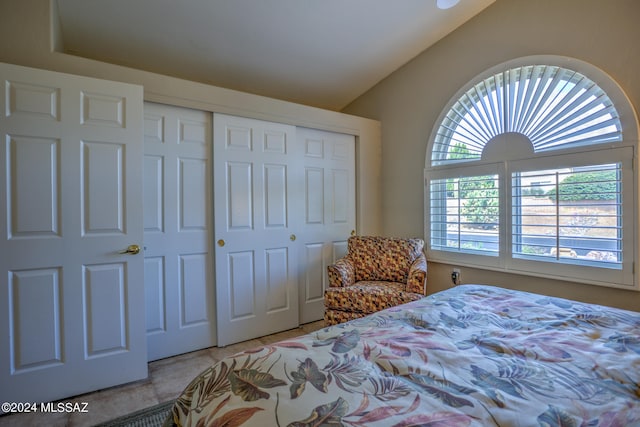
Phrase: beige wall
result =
(605, 33)
(28, 30)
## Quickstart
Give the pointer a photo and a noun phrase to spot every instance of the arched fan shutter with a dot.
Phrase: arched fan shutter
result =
(552, 106)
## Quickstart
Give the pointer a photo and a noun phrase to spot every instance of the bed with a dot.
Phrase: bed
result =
(472, 355)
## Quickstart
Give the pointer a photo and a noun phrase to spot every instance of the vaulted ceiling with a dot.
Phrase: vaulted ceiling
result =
(323, 53)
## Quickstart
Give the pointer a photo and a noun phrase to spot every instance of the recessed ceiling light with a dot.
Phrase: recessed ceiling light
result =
(446, 4)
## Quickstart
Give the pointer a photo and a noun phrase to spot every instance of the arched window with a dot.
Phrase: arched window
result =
(530, 169)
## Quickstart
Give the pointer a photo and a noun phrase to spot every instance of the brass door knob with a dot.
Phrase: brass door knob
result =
(221, 242)
(292, 237)
(353, 232)
(131, 250)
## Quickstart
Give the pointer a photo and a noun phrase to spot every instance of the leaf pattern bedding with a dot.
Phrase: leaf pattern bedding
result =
(469, 356)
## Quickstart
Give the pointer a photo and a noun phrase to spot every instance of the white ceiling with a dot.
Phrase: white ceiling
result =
(323, 53)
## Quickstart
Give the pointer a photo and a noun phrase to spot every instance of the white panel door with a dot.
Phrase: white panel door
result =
(71, 303)
(329, 212)
(255, 185)
(178, 219)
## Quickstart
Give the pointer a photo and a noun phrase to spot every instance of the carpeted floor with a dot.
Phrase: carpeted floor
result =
(153, 416)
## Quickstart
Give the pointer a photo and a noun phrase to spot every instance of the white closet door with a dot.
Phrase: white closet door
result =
(178, 219)
(71, 189)
(329, 212)
(255, 186)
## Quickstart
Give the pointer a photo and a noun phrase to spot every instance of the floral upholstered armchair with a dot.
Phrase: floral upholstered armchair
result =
(376, 273)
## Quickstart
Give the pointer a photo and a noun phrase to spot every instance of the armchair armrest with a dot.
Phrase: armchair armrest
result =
(341, 273)
(416, 282)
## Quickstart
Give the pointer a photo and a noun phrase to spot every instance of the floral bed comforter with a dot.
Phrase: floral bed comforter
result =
(469, 356)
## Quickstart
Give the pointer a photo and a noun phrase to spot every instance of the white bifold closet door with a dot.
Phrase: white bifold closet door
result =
(258, 197)
(71, 276)
(284, 209)
(178, 221)
(329, 213)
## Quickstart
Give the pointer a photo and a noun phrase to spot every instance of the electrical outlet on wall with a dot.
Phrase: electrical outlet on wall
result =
(456, 277)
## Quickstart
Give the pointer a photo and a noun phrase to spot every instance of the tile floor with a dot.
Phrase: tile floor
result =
(167, 378)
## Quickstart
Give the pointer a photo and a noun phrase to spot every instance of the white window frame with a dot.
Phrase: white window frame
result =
(621, 151)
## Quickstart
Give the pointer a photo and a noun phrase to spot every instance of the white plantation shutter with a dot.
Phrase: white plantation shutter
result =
(553, 196)
(573, 213)
(552, 106)
(472, 204)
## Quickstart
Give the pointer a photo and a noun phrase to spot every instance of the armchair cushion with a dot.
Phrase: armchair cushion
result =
(369, 297)
(383, 258)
